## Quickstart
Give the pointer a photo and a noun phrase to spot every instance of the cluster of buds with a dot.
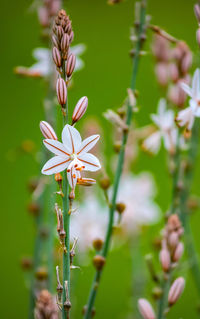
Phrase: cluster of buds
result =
(172, 248)
(46, 307)
(197, 14)
(172, 66)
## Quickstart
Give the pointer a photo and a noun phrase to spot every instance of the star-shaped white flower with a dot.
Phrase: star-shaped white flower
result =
(72, 154)
(187, 116)
(167, 131)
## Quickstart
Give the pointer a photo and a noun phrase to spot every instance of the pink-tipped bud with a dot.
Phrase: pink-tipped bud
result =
(162, 73)
(197, 12)
(165, 259)
(80, 109)
(146, 309)
(47, 130)
(176, 290)
(173, 71)
(57, 57)
(173, 240)
(186, 62)
(198, 37)
(59, 31)
(71, 37)
(55, 41)
(64, 43)
(71, 62)
(61, 89)
(178, 252)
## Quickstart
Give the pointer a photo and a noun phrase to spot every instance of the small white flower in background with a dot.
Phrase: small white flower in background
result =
(89, 223)
(137, 192)
(167, 131)
(72, 155)
(44, 67)
(187, 116)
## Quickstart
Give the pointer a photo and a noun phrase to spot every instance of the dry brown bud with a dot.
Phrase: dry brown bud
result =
(57, 57)
(120, 207)
(165, 259)
(99, 262)
(41, 273)
(61, 89)
(80, 109)
(93, 312)
(97, 244)
(71, 62)
(34, 208)
(176, 290)
(104, 182)
(47, 130)
(27, 263)
(146, 309)
(178, 252)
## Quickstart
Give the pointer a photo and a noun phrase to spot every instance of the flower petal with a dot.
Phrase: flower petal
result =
(56, 147)
(186, 88)
(88, 144)
(153, 142)
(90, 162)
(196, 84)
(71, 138)
(55, 165)
(72, 176)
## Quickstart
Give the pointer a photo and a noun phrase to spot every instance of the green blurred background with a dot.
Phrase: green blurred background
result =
(105, 31)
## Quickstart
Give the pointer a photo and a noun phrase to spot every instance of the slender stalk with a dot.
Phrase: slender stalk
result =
(189, 241)
(66, 222)
(104, 253)
(163, 301)
(176, 174)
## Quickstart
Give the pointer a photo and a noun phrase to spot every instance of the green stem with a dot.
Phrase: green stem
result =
(189, 240)
(66, 222)
(104, 253)
(163, 301)
(176, 173)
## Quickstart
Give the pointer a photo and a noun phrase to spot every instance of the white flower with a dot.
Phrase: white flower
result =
(72, 155)
(187, 116)
(138, 192)
(44, 65)
(89, 223)
(167, 131)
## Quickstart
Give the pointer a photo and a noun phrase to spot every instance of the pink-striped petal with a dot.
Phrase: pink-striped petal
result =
(55, 165)
(56, 147)
(90, 162)
(71, 138)
(88, 144)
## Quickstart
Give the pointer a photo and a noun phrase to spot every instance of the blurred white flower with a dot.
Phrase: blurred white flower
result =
(136, 192)
(44, 66)
(187, 116)
(166, 130)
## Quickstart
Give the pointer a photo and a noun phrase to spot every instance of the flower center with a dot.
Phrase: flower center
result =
(73, 156)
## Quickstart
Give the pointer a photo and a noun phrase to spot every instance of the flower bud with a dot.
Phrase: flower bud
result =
(58, 177)
(41, 273)
(97, 244)
(197, 12)
(165, 259)
(198, 37)
(178, 252)
(146, 309)
(173, 239)
(161, 71)
(55, 41)
(61, 91)
(71, 36)
(34, 208)
(64, 45)
(176, 290)
(99, 262)
(104, 182)
(59, 31)
(80, 109)
(71, 62)
(57, 57)
(120, 207)
(47, 130)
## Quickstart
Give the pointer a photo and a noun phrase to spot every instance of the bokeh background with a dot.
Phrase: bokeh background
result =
(105, 78)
